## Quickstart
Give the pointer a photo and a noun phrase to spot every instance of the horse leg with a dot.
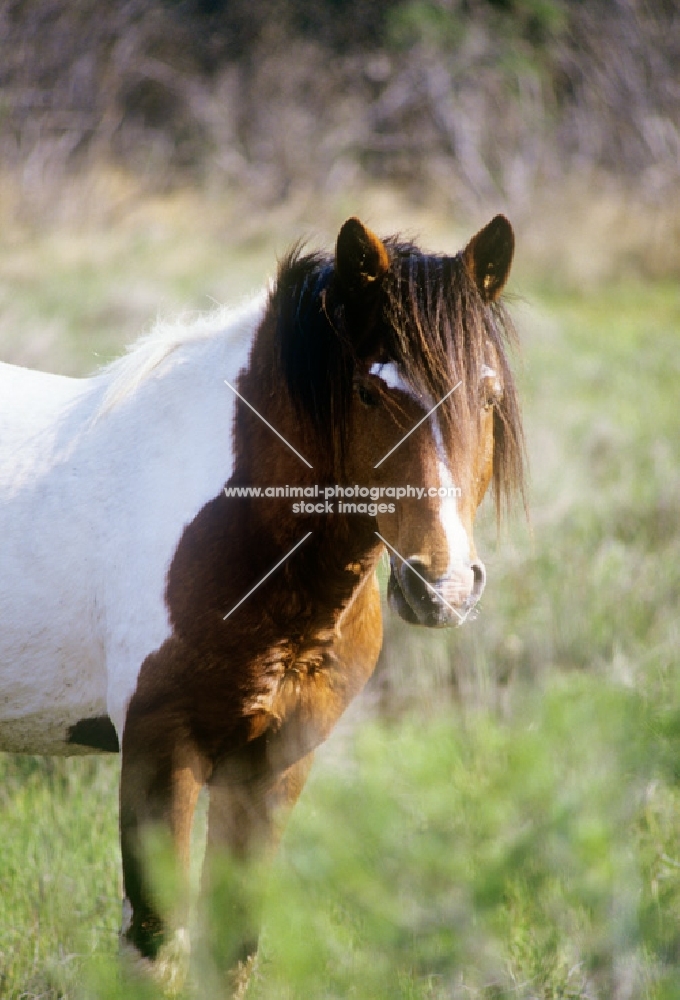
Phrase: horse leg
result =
(161, 777)
(248, 807)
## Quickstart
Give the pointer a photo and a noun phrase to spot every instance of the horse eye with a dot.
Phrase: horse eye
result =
(491, 387)
(367, 397)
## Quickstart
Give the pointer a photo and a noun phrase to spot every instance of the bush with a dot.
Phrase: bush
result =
(481, 97)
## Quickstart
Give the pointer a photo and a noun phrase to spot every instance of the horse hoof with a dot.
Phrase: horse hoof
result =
(172, 964)
(170, 968)
(241, 976)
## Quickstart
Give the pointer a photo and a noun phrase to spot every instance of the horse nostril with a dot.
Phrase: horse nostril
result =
(412, 579)
(479, 575)
(435, 602)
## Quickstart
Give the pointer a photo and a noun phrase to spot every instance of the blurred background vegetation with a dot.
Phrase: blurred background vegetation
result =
(466, 96)
(557, 108)
(499, 815)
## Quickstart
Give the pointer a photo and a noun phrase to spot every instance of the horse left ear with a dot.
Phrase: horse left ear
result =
(361, 258)
(488, 257)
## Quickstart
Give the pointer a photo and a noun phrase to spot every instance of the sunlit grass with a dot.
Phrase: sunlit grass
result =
(59, 870)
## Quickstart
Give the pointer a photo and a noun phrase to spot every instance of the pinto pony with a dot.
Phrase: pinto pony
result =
(151, 601)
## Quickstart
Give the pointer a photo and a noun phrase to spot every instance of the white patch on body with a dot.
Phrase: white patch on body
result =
(98, 479)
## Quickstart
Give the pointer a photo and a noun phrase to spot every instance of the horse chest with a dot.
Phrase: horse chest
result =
(287, 681)
(309, 684)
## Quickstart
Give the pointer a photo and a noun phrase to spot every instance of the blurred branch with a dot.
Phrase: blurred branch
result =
(279, 92)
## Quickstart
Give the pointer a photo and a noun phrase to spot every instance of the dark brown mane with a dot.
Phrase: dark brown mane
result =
(428, 317)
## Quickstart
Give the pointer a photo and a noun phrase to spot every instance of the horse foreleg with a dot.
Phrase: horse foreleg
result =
(248, 807)
(160, 781)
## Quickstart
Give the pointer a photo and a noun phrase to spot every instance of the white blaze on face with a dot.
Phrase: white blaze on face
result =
(456, 536)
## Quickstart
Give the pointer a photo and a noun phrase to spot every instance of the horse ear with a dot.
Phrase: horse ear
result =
(361, 259)
(488, 257)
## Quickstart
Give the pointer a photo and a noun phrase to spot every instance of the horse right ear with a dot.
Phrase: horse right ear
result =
(361, 258)
(488, 257)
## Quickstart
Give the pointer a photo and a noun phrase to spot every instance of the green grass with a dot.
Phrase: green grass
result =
(508, 825)
(59, 870)
(483, 860)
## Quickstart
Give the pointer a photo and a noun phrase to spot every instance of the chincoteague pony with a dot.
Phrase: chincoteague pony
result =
(215, 639)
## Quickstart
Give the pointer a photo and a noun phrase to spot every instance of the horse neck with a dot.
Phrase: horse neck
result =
(232, 546)
(341, 549)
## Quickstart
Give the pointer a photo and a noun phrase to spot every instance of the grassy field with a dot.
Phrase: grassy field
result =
(500, 816)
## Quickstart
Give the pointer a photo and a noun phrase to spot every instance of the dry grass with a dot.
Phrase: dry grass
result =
(187, 247)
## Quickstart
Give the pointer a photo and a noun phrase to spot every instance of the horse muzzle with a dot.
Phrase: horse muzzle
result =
(441, 603)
